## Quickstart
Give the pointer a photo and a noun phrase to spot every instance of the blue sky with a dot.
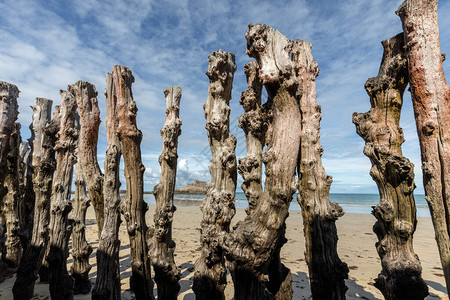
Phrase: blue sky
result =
(47, 45)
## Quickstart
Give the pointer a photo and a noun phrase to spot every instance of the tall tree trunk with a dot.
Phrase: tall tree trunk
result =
(253, 246)
(134, 207)
(61, 283)
(86, 96)
(107, 285)
(161, 245)
(81, 250)
(326, 271)
(430, 94)
(12, 204)
(218, 206)
(394, 175)
(43, 161)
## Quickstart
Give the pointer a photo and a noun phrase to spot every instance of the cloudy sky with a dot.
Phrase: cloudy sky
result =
(49, 44)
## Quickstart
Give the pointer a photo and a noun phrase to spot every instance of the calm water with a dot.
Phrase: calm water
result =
(351, 203)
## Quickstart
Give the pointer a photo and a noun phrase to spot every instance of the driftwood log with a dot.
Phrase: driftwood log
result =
(161, 245)
(218, 206)
(27, 194)
(42, 141)
(134, 207)
(81, 250)
(86, 96)
(61, 283)
(394, 175)
(254, 244)
(430, 94)
(326, 271)
(254, 123)
(107, 285)
(12, 204)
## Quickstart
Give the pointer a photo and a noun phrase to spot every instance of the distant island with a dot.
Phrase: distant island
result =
(195, 188)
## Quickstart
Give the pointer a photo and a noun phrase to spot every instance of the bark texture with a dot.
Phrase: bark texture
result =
(61, 283)
(12, 207)
(86, 96)
(27, 194)
(161, 245)
(134, 207)
(326, 271)
(430, 94)
(254, 123)
(218, 206)
(253, 246)
(107, 285)
(42, 141)
(8, 114)
(394, 175)
(81, 250)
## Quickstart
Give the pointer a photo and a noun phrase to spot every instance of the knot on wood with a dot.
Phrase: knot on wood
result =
(428, 128)
(384, 211)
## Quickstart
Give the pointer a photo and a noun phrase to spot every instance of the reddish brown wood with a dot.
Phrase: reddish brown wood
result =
(161, 245)
(253, 246)
(218, 206)
(86, 96)
(430, 94)
(394, 175)
(134, 207)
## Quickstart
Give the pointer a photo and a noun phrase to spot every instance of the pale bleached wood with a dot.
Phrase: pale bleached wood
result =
(400, 277)
(218, 206)
(430, 94)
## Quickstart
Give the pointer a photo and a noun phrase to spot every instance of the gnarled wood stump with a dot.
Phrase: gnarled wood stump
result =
(253, 246)
(134, 207)
(26, 194)
(43, 162)
(161, 245)
(218, 206)
(430, 94)
(107, 285)
(8, 114)
(326, 271)
(61, 283)
(81, 250)
(86, 96)
(394, 175)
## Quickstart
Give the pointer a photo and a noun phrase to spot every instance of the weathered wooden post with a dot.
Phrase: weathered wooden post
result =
(134, 207)
(43, 162)
(61, 283)
(161, 245)
(107, 285)
(81, 250)
(394, 175)
(218, 206)
(430, 94)
(253, 246)
(86, 97)
(326, 271)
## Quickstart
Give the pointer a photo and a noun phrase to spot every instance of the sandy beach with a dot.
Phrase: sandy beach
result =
(356, 247)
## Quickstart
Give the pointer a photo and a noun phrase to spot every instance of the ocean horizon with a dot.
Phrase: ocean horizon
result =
(351, 203)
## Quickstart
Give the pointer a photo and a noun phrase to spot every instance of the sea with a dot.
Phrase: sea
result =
(351, 203)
